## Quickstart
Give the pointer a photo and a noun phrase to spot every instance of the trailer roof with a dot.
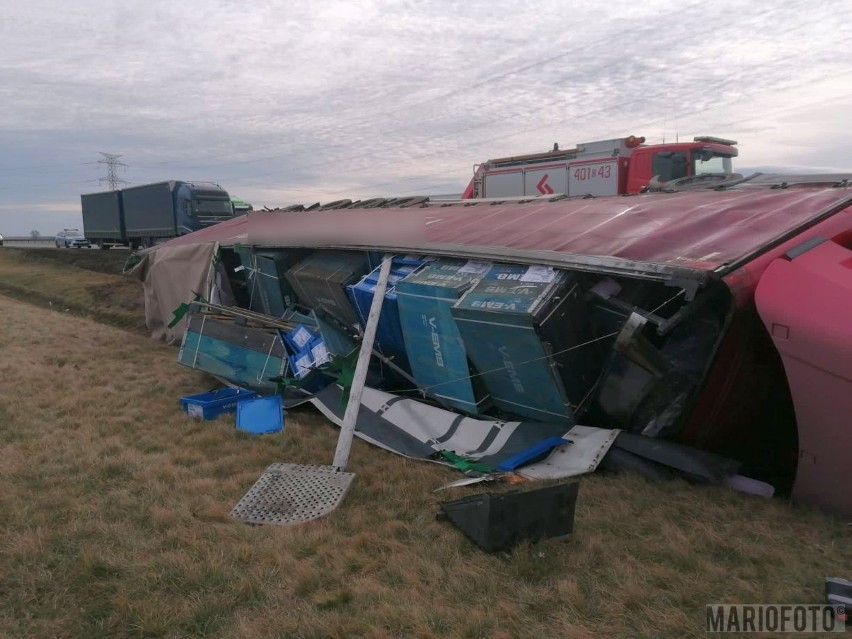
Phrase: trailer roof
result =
(667, 234)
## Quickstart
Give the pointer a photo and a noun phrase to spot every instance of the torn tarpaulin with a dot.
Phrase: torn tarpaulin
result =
(414, 429)
(411, 428)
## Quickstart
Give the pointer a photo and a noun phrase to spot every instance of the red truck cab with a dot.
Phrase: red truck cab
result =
(667, 162)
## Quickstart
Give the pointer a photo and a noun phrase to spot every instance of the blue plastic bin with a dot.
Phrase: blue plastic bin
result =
(213, 403)
(301, 364)
(261, 415)
(299, 338)
(389, 336)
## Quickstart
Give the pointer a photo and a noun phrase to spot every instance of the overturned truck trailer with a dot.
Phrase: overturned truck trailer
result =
(718, 318)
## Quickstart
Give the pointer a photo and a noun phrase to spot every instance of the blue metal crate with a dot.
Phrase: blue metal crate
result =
(269, 290)
(520, 325)
(275, 291)
(213, 403)
(434, 346)
(320, 280)
(245, 356)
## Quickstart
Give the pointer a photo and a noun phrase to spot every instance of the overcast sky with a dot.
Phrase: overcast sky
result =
(283, 102)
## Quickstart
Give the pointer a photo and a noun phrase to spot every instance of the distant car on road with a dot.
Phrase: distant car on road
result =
(1, 239)
(71, 238)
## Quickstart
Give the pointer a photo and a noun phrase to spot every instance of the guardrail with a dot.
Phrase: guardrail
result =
(28, 241)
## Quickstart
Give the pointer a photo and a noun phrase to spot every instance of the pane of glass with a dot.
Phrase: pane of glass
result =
(213, 207)
(714, 164)
(669, 165)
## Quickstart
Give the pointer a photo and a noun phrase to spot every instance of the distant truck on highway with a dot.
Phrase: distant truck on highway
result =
(150, 213)
(241, 207)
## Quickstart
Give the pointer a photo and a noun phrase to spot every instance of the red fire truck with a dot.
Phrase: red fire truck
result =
(608, 167)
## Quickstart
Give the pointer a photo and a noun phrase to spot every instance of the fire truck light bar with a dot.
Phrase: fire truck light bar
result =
(709, 138)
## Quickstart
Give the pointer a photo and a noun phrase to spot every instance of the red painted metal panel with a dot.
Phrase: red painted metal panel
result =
(806, 305)
(528, 167)
(228, 233)
(701, 230)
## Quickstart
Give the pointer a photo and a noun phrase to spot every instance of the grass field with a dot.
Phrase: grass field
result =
(78, 281)
(114, 514)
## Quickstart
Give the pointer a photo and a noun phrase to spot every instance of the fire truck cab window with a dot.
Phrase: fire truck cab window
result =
(669, 165)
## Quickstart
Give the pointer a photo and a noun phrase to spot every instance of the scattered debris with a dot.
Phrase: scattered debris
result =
(690, 462)
(535, 452)
(749, 485)
(309, 492)
(412, 428)
(497, 521)
(293, 494)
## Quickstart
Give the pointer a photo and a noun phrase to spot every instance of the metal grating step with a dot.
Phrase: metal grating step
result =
(292, 494)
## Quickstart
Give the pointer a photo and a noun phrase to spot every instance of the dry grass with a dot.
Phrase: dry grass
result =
(79, 281)
(99, 261)
(114, 523)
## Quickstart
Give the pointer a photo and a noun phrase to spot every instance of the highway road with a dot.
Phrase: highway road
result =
(42, 242)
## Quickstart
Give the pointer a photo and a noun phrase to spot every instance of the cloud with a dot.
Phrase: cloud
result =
(319, 100)
(41, 207)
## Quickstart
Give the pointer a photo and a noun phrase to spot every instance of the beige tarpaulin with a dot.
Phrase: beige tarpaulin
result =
(172, 275)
